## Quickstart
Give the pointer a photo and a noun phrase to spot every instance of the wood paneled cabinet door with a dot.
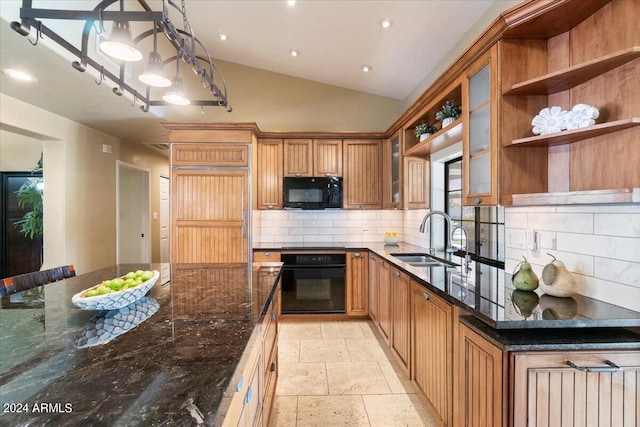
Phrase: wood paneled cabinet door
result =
(576, 389)
(270, 173)
(210, 214)
(298, 157)
(374, 291)
(400, 311)
(384, 299)
(481, 390)
(416, 183)
(362, 174)
(432, 351)
(357, 302)
(480, 136)
(327, 157)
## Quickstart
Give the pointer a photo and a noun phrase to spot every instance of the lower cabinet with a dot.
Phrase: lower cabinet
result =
(357, 301)
(432, 351)
(380, 295)
(374, 288)
(400, 315)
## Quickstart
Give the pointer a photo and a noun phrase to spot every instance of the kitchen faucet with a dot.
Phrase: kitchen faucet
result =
(467, 258)
(448, 248)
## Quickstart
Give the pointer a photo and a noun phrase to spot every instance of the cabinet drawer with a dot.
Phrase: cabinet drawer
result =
(266, 256)
(210, 155)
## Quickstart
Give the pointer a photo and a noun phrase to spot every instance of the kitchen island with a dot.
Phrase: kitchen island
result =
(180, 366)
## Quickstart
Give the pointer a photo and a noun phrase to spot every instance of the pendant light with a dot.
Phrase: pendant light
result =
(119, 44)
(153, 75)
(175, 95)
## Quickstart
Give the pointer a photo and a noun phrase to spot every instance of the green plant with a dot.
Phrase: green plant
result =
(30, 197)
(424, 128)
(449, 109)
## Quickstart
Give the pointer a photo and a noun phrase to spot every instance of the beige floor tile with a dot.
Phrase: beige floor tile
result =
(397, 410)
(397, 379)
(302, 379)
(366, 350)
(289, 351)
(368, 329)
(300, 331)
(356, 378)
(337, 330)
(334, 411)
(285, 409)
(323, 351)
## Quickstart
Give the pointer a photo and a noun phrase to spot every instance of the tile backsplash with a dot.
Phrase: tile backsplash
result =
(599, 244)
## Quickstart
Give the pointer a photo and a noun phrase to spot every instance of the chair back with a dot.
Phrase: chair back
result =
(21, 282)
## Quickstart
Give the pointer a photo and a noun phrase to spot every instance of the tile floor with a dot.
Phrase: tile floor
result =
(342, 374)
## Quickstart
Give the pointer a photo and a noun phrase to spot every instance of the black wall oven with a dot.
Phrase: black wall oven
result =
(313, 283)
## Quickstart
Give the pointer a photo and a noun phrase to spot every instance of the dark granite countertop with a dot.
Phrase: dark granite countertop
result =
(486, 293)
(191, 349)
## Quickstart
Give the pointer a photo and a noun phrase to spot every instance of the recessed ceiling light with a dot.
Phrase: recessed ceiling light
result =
(19, 75)
(386, 22)
(294, 52)
(222, 36)
(366, 68)
(291, 2)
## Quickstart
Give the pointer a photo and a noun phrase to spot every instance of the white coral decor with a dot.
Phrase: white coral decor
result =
(581, 116)
(549, 120)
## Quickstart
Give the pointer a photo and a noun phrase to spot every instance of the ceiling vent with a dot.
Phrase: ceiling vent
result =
(159, 145)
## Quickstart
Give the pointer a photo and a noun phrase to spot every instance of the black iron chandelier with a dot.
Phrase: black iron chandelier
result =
(121, 46)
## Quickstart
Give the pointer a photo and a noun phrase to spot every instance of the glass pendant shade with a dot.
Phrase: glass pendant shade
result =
(175, 95)
(153, 75)
(119, 44)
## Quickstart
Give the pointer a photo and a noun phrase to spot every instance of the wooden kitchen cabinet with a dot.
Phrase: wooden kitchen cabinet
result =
(357, 302)
(374, 288)
(362, 174)
(327, 157)
(547, 391)
(432, 351)
(400, 312)
(380, 295)
(481, 388)
(266, 256)
(298, 157)
(416, 183)
(270, 173)
(312, 157)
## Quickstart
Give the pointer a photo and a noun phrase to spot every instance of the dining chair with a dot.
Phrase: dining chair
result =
(21, 282)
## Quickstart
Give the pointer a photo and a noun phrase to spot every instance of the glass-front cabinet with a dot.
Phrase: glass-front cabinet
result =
(480, 151)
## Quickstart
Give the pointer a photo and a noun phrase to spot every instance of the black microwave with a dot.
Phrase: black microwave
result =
(312, 193)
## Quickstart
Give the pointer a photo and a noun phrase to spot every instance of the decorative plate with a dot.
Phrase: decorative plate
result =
(106, 325)
(581, 116)
(549, 120)
(114, 300)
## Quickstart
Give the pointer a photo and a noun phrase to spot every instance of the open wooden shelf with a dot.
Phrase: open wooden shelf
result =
(570, 136)
(575, 75)
(439, 140)
(623, 195)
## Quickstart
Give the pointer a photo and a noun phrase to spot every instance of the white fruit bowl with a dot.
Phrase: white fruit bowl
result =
(114, 300)
(388, 240)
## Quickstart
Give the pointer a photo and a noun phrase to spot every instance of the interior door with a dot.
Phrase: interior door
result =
(133, 214)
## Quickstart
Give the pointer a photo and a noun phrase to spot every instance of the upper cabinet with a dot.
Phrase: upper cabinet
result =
(312, 157)
(362, 178)
(270, 173)
(479, 112)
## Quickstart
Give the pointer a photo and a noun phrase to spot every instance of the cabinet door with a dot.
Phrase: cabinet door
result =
(209, 216)
(357, 284)
(362, 167)
(252, 399)
(327, 157)
(401, 308)
(481, 384)
(547, 391)
(392, 174)
(480, 146)
(432, 350)
(416, 183)
(270, 173)
(298, 157)
(384, 299)
(374, 293)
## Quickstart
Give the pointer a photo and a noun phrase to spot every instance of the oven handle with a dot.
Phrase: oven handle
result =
(307, 267)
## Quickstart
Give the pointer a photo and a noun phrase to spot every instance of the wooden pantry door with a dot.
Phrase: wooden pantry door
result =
(210, 216)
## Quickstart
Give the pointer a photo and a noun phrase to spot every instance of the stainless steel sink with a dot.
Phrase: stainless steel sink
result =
(421, 260)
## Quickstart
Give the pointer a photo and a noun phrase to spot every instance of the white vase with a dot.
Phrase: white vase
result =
(447, 121)
(424, 136)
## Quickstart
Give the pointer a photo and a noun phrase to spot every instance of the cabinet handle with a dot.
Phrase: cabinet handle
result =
(240, 385)
(371, 257)
(363, 207)
(425, 296)
(477, 200)
(298, 175)
(273, 367)
(382, 263)
(397, 274)
(249, 396)
(270, 207)
(327, 174)
(267, 254)
(273, 316)
(357, 255)
(612, 367)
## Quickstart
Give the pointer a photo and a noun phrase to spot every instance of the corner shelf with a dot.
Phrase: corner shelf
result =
(570, 136)
(439, 140)
(575, 75)
(591, 197)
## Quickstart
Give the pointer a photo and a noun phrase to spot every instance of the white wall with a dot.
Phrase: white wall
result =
(18, 153)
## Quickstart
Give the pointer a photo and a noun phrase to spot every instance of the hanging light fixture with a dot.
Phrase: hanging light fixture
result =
(176, 96)
(153, 75)
(119, 44)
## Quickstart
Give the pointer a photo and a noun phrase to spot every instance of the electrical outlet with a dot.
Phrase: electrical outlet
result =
(533, 239)
(364, 226)
(516, 239)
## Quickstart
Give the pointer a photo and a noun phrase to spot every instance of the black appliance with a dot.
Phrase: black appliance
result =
(313, 283)
(312, 193)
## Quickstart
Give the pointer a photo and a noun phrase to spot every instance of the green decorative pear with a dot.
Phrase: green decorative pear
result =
(525, 279)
